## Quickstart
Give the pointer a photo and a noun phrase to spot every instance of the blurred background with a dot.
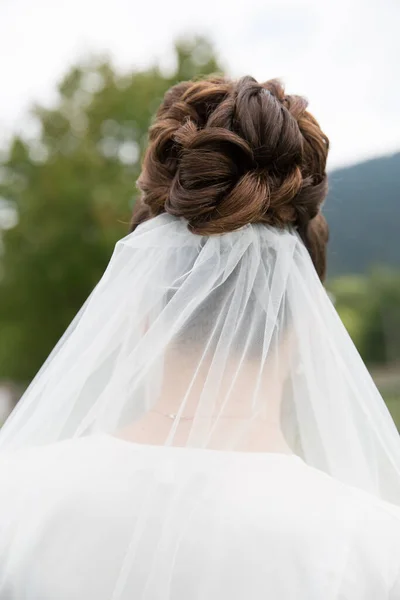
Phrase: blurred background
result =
(80, 83)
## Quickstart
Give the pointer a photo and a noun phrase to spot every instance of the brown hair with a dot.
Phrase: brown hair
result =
(226, 153)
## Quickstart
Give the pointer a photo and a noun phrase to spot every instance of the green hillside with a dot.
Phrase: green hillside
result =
(363, 211)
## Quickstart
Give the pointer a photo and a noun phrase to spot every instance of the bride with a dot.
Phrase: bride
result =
(205, 429)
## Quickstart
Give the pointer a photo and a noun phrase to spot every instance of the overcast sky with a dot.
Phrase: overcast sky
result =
(342, 54)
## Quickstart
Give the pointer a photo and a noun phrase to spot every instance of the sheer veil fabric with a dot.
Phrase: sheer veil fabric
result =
(216, 343)
(233, 336)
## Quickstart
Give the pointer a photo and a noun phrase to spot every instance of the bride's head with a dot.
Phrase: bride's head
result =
(222, 155)
(225, 153)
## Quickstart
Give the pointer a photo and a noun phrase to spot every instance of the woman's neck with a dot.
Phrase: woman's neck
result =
(229, 434)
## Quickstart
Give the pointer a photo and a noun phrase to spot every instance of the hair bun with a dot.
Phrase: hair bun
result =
(223, 154)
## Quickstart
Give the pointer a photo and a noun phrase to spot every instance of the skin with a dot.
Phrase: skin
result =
(248, 422)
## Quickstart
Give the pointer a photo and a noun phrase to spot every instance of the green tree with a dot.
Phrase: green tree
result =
(73, 187)
(370, 309)
(382, 335)
(350, 293)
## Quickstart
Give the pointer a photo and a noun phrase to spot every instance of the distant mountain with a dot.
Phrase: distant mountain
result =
(363, 212)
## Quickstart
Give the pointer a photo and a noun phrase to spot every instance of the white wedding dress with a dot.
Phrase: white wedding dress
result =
(205, 349)
(219, 526)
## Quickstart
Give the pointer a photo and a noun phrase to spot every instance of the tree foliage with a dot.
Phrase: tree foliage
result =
(369, 306)
(73, 187)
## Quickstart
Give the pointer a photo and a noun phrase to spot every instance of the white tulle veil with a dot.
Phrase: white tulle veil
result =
(222, 341)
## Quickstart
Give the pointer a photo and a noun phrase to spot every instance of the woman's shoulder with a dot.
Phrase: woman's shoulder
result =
(276, 500)
(362, 501)
(361, 506)
(237, 479)
(32, 472)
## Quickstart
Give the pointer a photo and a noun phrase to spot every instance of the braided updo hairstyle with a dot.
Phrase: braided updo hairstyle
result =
(226, 153)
